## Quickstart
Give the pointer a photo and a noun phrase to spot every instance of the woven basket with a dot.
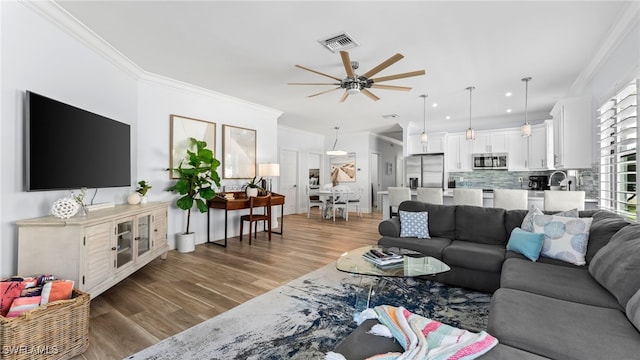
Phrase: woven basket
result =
(58, 330)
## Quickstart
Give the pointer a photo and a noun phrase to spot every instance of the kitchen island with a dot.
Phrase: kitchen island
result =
(535, 198)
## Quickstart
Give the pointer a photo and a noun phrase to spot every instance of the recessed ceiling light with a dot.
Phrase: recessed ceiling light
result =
(434, 105)
(448, 117)
(508, 93)
(508, 110)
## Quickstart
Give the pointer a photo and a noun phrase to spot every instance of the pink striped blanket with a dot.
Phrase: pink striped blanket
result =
(423, 338)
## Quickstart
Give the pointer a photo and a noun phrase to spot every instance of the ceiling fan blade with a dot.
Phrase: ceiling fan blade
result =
(369, 94)
(346, 61)
(391, 87)
(313, 83)
(344, 96)
(318, 72)
(385, 64)
(398, 76)
(324, 92)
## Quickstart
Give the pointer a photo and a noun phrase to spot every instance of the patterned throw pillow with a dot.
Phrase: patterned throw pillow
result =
(565, 238)
(414, 224)
(527, 222)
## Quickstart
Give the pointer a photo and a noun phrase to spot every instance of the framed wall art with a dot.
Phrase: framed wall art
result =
(238, 152)
(343, 168)
(182, 129)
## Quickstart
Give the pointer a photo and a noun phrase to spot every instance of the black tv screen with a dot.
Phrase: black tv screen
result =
(69, 148)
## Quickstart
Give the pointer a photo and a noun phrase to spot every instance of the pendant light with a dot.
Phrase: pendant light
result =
(471, 134)
(525, 129)
(424, 137)
(333, 151)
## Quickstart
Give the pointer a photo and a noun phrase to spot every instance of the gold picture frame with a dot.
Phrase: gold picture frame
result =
(182, 129)
(238, 152)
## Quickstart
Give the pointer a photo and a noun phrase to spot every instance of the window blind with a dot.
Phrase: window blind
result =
(618, 143)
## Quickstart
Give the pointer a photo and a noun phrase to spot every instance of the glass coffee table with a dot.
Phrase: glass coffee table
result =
(413, 264)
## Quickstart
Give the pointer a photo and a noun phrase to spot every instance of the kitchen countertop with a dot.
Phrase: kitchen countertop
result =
(533, 194)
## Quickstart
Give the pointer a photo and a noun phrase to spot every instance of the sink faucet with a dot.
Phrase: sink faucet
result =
(561, 181)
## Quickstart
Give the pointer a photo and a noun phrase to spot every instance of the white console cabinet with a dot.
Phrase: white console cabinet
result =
(96, 251)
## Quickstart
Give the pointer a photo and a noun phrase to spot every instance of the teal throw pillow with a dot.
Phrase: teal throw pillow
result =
(414, 224)
(526, 243)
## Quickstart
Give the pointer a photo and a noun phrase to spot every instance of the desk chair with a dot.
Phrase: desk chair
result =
(563, 200)
(396, 196)
(510, 199)
(257, 202)
(430, 195)
(471, 197)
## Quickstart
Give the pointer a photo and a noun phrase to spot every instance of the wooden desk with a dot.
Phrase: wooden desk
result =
(240, 201)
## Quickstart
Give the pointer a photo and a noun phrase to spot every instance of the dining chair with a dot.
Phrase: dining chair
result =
(430, 195)
(563, 200)
(356, 200)
(510, 199)
(471, 197)
(340, 200)
(313, 200)
(396, 196)
(255, 203)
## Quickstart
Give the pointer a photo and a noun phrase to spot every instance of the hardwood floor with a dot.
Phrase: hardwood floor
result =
(168, 296)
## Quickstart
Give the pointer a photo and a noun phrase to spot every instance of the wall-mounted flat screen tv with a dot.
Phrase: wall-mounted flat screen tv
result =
(69, 148)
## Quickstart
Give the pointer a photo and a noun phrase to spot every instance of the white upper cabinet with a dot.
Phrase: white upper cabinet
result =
(541, 146)
(457, 153)
(518, 149)
(436, 144)
(493, 141)
(572, 127)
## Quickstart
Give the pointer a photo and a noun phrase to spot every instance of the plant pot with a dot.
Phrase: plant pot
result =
(252, 192)
(133, 199)
(143, 199)
(186, 242)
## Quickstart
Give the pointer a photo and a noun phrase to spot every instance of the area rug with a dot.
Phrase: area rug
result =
(307, 317)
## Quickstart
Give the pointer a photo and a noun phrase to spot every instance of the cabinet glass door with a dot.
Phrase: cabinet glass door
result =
(143, 238)
(124, 245)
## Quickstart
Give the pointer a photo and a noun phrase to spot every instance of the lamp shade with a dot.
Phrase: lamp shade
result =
(424, 138)
(269, 169)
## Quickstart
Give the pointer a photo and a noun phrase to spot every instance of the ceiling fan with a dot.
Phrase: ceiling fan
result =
(354, 83)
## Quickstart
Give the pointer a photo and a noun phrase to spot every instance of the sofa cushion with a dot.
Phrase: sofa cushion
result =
(565, 238)
(633, 310)
(513, 219)
(504, 352)
(480, 225)
(431, 247)
(526, 243)
(542, 259)
(561, 329)
(605, 224)
(560, 282)
(617, 265)
(441, 217)
(472, 255)
(414, 224)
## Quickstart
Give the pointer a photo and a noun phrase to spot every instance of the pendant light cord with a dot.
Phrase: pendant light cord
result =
(526, 98)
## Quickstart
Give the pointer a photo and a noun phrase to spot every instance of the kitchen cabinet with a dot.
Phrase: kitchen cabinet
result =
(572, 133)
(493, 141)
(518, 149)
(458, 153)
(436, 144)
(541, 146)
(95, 251)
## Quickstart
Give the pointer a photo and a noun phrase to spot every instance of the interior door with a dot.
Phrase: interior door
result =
(375, 180)
(289, 180)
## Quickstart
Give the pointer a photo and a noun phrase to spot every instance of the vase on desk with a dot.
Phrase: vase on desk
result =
(252, 192)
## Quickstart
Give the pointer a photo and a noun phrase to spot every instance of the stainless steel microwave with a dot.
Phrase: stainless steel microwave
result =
(493, 161)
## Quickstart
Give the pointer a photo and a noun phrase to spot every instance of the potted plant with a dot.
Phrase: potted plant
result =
(253, 187)
(195, 184)
(142, 189)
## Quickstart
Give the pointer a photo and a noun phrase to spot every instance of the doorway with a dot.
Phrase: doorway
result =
(289, 180)
(375, 181)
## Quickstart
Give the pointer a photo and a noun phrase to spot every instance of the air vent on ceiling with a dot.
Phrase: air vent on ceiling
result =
(390, 116)
(336, 43)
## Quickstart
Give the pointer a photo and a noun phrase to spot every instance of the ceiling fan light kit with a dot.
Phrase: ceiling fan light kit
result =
(355, 84)
(525, 129)
(471, 134)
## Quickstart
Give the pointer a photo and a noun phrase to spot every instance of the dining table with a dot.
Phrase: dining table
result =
(326, 196)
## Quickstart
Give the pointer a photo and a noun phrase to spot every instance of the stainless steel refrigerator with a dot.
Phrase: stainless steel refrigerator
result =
(425, 170)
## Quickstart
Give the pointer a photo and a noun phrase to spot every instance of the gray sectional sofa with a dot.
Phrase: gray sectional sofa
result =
(547, 309)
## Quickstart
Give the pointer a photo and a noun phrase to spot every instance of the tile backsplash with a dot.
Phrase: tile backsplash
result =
(500, 179)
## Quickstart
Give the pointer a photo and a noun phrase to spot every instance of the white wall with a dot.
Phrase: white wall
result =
(59, 59)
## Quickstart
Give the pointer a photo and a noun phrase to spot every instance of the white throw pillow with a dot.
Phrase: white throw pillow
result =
(527, 222)
(565, 238)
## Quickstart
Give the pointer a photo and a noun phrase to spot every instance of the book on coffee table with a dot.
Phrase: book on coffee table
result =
(383, 259)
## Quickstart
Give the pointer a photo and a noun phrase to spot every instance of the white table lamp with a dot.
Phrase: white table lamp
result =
(268, 170)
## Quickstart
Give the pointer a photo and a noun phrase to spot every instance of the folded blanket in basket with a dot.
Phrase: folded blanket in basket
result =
(423, 338)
